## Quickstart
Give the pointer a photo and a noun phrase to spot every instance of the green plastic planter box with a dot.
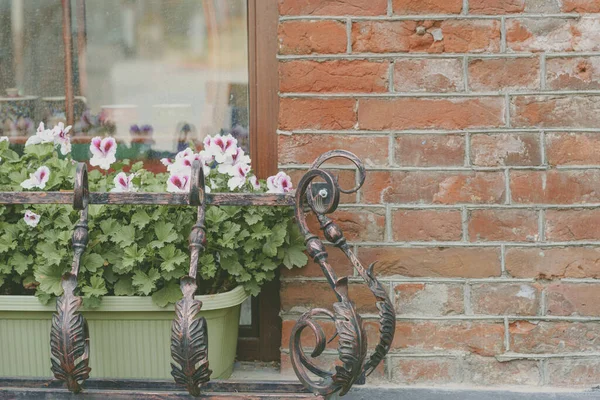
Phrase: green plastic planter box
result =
(130, 337)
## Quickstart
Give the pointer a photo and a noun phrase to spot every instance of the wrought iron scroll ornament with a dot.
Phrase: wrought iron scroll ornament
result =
(69, 337)
(189, 336)
(352, 340)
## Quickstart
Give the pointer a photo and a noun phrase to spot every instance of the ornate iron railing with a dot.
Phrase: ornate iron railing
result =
(319, 193)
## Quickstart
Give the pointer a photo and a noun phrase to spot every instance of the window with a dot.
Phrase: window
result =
(156, 75)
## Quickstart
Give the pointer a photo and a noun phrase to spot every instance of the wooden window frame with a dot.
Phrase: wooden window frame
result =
(261, 340)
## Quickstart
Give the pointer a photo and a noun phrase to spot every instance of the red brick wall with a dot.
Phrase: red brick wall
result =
(479, 122)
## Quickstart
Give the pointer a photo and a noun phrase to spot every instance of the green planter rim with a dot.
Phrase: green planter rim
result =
(126, 303)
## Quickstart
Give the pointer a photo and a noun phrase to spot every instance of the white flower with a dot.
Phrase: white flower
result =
(220, 147)
(280, 183)
(38, 179)
(103, 152)
(184, 160)
(31, 218)
(178, 183)
(3, 139)
(239, 176)
(166, 162)
(231, 160)
(42, 135)
(123, 183)
(254, 182)
(61, 137)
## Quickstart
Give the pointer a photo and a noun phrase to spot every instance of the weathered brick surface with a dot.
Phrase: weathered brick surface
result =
(427, 225)
(479, 124)
(430, 150)
(503, 225)
(505, 298)
(506, 149)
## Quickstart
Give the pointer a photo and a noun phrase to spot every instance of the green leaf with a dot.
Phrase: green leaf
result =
(294, 254)
(125, 235)
(91, 262)
(172, 257)
(207, 266)
(132, 256)
(275, 240)
(20, 263)
(214, 217)
(124, 287)
(49, 276)
(140, 218)
(164, 232)
(97, 287)
(40, 150)
(49, 253)
(145, 283)
(170, 294)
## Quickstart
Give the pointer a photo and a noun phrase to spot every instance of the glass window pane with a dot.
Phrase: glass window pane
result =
(155, 74)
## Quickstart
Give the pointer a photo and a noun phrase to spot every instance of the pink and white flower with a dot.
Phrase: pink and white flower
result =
(4, 139)
(254, 182)
(219, 147)
(123, 183)
(42, 135)
(184, 161)
(103, 152)
(31, 218)
(238, 179)
(280, 183)
(232, 160)
(178, 183)
(38, 179)
(61, 137)
(166, 162)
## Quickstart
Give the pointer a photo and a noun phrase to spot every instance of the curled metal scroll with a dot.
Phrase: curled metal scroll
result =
(352, 345)
(69, 334)
(189, 336)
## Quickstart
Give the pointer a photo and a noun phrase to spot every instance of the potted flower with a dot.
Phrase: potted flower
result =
(130, 273)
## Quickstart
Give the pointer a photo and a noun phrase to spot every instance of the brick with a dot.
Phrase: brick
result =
(503, 225)
(553, 34)
(333, 7)
(555, 187)
(316, 113)
(430, 150)
(505, 298)
(573, 148)
(553, 262)
(553, 337)
(338, 76)
(438, 75)
(425, 225)
(337, 260)
(366, 225)
(425, 370)
(492, 74)
(487, 371)
(450, 262)
(556, 111)
(306, 148)
(581, 6)
(542, 6)
(450, 36)
(483, 338)
(573, 372)
(429, 299)
(577, 224)
(404, 7)
(573, 73)
(433, 187)
(302, 296)
(506, 149)
(494, 7)
(544, 34)
(306, 37)
(431, 113)
(573, 299)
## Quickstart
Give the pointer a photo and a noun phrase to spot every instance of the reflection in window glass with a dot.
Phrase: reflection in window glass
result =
(155, 74)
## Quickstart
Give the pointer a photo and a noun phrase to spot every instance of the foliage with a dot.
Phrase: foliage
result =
(135, 250)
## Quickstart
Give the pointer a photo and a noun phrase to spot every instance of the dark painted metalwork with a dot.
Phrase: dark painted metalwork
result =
(352, 342)
(69, 338)
(318, 192)
(189, 337)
